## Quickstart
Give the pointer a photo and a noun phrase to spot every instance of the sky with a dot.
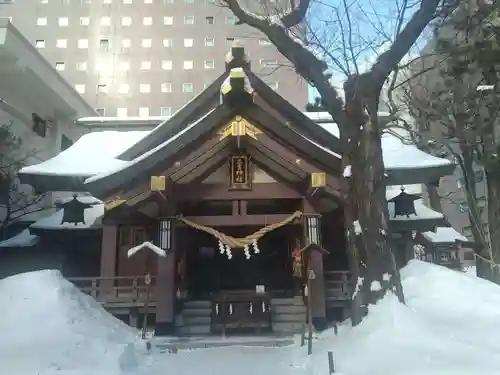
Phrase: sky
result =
(372, 24)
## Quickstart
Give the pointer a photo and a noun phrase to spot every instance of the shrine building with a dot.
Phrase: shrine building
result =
(240, 189)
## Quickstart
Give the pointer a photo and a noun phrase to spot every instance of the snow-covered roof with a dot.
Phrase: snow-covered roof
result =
(125, 164)
(444, 235)
(91, 154)
(91, 216)
(23, 239)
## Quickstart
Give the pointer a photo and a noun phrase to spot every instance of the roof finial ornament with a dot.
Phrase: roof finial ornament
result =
(236, 57)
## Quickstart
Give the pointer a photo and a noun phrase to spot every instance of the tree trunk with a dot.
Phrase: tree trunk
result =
(366, 206)
(434, 198)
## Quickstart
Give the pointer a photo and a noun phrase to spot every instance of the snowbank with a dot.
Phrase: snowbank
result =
(449, 327)
(48, 326)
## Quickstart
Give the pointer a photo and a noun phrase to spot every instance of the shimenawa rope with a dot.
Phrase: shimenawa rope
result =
(234, 242)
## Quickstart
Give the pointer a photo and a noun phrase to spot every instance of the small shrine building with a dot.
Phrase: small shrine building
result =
(231, 187)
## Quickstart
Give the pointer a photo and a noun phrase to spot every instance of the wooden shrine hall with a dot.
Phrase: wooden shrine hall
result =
(243, 193)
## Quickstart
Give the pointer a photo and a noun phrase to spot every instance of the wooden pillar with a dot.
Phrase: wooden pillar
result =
(317, 293)
(109, 244)
(165, 280)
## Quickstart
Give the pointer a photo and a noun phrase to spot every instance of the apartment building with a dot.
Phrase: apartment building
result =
(38, 107)
(145, 57)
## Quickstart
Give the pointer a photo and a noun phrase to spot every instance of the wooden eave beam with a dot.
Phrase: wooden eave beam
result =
(199, 191)
(186, 115)
(292, 140)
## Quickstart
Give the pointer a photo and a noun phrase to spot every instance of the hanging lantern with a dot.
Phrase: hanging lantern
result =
(404, 204)
(313, 229)
(165, 234)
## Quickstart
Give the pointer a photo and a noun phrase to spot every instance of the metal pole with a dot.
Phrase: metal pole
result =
(331, 366)
(309, 311)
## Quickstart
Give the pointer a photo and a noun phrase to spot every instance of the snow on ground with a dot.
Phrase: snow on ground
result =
(448, 327)
(47, 326)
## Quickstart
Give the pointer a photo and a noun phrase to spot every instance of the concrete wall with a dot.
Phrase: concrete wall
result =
(105, 64)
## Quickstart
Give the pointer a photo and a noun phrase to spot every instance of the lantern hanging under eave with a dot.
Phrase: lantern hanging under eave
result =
(404, 204)
(165, 234)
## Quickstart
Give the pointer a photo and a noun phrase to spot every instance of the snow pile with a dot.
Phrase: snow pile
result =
(23, 239)
(449, 327)
(48, 326)
(444, 235)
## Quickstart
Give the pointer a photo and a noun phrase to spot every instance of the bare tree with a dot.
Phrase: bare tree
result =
(371, 255)
(456, 100)
(15, 201)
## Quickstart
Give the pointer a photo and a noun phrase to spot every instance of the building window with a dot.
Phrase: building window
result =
(166, 64)
(40, 43)
(84, 21)
(209, 41)
(188, 20)
(83, 43)
(102, 89)
(143, 112)
(209, 64)
(126, 43)
(80, 88)
(146, 43)
(60, 66)
(105, 21)
(166, 87)
(209, 20)
(65, 143)
(268, 62)
(167, 42)
(231, 20)
(124, 88)
(63, 21)
(145, 65)
(41, 21)
(187, 87)
(467, 231)
(39, 125)
(61, 43)
(126, 21)
(264, 42)
(121, 112)
(188, 42)
(188, 65)
(147, 21)
(101, 111)
(169, 20)
(165, 111)
(145, 88)
(124, 66)
(81, 66)
(104, 45)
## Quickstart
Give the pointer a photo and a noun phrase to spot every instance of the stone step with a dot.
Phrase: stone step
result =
(194, 330)
(287, 301)
(289, 318)
(288, 327)
(196, 312)
(201, 304)
(196, 320)
(288, 309)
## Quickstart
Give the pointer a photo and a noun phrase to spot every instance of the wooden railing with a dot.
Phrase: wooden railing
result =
(337, 287)
(117, 290)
